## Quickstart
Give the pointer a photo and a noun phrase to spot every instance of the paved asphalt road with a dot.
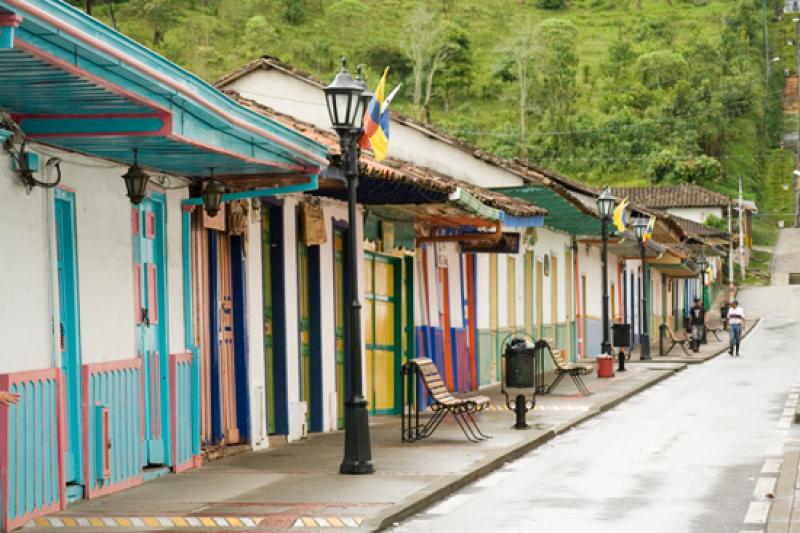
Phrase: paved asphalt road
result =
(692, 454)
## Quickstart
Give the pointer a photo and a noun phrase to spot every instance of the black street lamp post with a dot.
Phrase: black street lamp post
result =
(605, 206)
(640, 226)
(702, 264)
(346, 100)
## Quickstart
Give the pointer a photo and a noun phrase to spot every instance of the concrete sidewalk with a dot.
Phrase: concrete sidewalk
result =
(297, 486)
(713, 348)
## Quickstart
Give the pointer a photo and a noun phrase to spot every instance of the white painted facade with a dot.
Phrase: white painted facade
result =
(305, 100)
(104, 259)
(697, 214)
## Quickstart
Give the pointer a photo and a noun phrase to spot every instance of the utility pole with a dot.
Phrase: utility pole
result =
(730, 253)
(741, 230)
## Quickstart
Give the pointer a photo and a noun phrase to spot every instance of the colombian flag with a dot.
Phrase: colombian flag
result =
(376, 120)
(648, 233)
(621, 216)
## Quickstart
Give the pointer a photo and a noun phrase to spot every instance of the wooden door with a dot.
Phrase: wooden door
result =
(69, 330)
(382, 331)
(528, 289)
(583, 315)
(539, 298)
(304, 330)
(493, 318)
(511, 286)
(341, 310)
(227, 373)
(443, 293)
(569, 305)
(151, 342)
(269, 322)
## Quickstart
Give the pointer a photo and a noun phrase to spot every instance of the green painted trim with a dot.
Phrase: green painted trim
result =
(310, 185)
(464, 200)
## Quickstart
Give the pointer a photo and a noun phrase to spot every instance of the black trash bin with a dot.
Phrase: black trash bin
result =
(519, 370)
(621, 335)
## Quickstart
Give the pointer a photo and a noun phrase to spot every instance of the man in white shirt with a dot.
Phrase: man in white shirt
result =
(736, 321)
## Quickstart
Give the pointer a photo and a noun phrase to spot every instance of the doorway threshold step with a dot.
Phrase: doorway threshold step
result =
(74, 493)
(153, 472)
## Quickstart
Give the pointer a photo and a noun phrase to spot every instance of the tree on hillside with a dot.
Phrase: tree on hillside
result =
(457, 74)
(158, 15)
(520, 54)
(429, 46)
(556, 59)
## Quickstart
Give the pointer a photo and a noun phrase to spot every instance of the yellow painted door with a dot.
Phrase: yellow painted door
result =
(568, 301)
(539, 298)
(382, 332)
(512, 293)
(528, 296)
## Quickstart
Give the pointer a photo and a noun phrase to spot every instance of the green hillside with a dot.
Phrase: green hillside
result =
(601, 90)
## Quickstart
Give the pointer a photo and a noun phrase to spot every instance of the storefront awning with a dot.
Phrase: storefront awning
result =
(69, 81)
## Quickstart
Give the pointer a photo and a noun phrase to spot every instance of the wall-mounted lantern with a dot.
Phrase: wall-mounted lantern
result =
(212, 196)
(136, 180)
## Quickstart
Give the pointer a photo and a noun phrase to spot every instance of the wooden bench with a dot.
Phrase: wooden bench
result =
(563, 368)
(676, 340)
(442, 402)
(715, 330)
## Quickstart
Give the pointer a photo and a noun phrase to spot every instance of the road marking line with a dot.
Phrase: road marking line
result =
(757, 512)
(492, 480)
(449, 504)
(764, 486)
(772, 466)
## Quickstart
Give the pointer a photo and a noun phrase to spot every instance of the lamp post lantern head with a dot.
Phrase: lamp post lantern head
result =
(605, 203)
(212, 196)
(344, 99)
(640, 227)
(702, 262)
(136, 180)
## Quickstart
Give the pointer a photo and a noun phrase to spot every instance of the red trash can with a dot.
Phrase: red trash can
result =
(605, 366)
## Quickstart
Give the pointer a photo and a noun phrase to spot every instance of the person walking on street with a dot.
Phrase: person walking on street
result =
(736, 322)
(697, 321)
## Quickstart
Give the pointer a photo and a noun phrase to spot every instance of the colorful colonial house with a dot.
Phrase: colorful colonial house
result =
(110, 310)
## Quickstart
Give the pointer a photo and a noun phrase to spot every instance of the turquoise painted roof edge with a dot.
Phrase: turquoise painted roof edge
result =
(121, 44)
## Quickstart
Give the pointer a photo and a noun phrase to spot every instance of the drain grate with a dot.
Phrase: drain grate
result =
(794, 278)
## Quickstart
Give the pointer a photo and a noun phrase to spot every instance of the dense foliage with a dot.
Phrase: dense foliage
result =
(623, 91)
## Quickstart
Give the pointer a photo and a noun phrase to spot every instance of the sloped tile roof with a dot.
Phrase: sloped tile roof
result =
(683, 195)
(396, 170)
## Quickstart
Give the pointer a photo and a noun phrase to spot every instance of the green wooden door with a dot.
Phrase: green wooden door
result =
(303, 308)
(269, 351)
(338, 272)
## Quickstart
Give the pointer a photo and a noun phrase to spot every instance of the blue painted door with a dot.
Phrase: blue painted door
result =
(69, 329)
(150, 313)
